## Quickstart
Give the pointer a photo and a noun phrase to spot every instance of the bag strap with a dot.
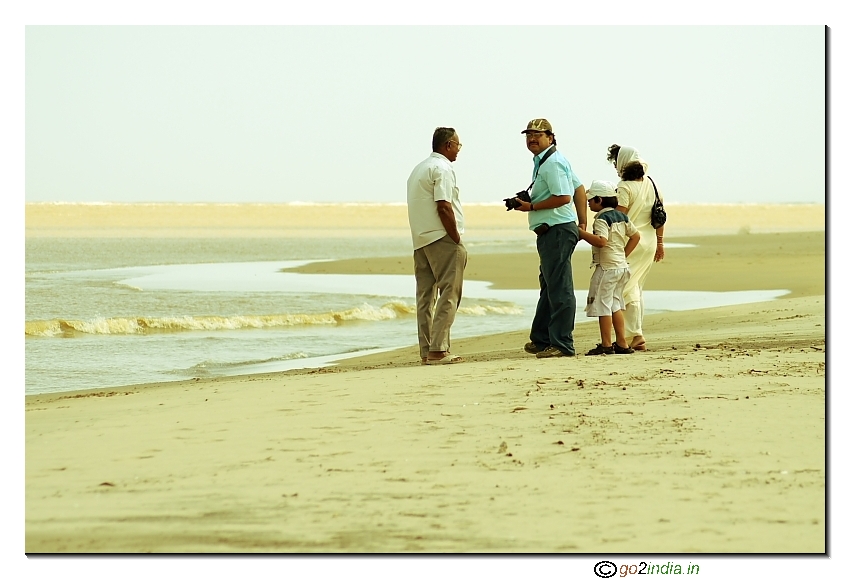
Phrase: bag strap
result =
(654, 187)
(548, 154)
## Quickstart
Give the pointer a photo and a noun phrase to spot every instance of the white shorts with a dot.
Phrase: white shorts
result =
(605, 296)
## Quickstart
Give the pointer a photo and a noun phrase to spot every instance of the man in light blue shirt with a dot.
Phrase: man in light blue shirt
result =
(555, 216)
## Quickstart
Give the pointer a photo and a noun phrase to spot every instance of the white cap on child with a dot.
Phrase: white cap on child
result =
(601, 189)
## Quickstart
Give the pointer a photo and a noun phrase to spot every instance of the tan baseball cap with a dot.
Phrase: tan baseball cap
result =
(538, 124)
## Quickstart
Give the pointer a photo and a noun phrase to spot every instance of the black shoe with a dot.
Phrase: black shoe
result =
(600, 350)
(618, 349)
(533, 348)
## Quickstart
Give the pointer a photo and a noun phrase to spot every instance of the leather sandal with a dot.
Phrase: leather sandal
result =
(618, 349)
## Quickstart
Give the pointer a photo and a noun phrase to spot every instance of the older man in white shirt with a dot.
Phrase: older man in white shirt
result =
(439, 257)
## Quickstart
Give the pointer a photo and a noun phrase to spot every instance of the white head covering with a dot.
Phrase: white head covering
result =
(629, 155)
(601, 189)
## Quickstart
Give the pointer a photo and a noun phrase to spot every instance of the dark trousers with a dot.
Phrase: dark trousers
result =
(556, 309)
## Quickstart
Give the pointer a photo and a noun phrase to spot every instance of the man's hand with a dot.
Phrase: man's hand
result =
(447, 217)
(551, 203)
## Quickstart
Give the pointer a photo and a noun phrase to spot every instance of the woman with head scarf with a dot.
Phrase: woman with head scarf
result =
(635, 197)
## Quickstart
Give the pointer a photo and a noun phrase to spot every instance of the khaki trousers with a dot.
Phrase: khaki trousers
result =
(438, 269)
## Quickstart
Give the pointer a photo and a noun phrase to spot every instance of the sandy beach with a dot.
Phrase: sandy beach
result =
(713, 441)
(303, 220)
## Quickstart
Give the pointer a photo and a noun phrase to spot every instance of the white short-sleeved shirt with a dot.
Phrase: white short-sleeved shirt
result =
(617, 228)
(430, 181)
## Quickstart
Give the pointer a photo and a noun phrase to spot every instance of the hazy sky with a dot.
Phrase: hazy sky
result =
(343, 113)
(722, 114)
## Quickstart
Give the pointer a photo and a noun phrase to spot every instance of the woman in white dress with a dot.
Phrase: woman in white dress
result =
(635, 197)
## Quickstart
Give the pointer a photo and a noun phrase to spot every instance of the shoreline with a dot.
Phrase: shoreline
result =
(399, 355)
(736, 262)
(508, 345)
(748, 262)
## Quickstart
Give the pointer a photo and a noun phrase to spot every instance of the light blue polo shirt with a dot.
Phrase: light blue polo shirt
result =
(556, 177)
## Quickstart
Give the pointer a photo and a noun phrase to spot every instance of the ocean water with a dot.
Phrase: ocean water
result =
(122, 311)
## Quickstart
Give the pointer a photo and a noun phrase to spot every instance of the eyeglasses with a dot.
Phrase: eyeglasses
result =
(459, 146)
(535, 133)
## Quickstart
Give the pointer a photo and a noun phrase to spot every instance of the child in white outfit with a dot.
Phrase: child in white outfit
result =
(613, 239)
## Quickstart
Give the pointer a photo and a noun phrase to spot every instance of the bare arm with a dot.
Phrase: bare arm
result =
(659, 249)
(633, 242)
(595, 240)
(552, 202)
(581, 207)
(447, 217)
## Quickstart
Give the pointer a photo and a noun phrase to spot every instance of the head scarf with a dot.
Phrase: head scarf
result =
(629, 155)
(601, 189)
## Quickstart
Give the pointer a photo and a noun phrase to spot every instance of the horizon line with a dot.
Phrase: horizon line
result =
(361, 203)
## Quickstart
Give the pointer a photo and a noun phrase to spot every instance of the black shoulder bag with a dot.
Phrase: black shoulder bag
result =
(658, 216)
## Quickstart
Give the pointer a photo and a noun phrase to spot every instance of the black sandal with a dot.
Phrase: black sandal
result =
(618, 349)
(600, 350)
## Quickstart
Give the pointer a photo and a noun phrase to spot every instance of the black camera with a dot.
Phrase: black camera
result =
(512, 203)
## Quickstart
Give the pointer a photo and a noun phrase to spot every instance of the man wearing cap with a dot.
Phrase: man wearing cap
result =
(439, 257)
(555, 217)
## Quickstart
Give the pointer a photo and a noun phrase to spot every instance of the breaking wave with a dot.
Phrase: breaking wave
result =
(213, 365)
(149, 325)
